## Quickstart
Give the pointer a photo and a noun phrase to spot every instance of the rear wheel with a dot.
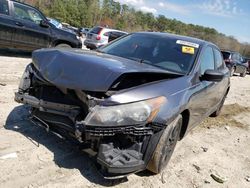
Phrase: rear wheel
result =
(63, 45)
(244, 73)
(165, 147)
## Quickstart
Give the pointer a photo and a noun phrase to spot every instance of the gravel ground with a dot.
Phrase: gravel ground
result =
(31, 157)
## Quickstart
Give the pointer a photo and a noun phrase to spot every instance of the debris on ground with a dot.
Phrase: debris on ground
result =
(162, 178)
(204, 149)
(247, 178)
(197, 168)
(2, 84)
(206, 182)
(9, 156)
(218, 178)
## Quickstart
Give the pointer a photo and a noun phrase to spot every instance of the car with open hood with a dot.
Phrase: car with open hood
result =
(128, 103)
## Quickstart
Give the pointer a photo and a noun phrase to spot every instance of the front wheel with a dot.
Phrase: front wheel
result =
(165, 147)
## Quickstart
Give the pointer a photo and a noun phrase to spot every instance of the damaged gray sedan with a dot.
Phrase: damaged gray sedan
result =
(128, 103)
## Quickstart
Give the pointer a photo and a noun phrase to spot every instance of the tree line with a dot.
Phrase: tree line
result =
(89, 13)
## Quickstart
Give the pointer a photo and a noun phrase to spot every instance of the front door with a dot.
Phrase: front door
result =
(28, 33)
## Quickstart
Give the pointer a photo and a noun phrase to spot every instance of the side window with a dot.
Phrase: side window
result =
(26, 13)
(218, 59)
(107, 34)
(206, 60)
(4, 7)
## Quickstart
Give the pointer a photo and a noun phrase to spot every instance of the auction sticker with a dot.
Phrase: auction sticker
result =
(186, 43)
(187, 50)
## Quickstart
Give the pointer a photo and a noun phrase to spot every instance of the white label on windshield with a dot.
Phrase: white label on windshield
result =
(187, 43)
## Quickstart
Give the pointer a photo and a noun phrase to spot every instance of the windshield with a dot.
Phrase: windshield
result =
(157, 50)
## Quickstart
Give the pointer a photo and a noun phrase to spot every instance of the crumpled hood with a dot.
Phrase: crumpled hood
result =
(85, 70)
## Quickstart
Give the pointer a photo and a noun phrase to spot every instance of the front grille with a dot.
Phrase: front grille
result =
(111, 131)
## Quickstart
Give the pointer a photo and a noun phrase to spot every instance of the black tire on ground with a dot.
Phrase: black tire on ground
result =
(244, 73)
(218, 111)
(63, 45)
(232, 71)
(165, 147)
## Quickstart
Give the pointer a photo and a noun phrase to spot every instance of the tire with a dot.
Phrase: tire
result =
(165, 147)
(218, 111)
(232, 71)
(63, 45)
(244, 73)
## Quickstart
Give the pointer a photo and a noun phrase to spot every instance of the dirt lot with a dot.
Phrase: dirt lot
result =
(220, 146)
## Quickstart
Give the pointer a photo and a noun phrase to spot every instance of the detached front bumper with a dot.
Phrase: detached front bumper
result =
(119, 150)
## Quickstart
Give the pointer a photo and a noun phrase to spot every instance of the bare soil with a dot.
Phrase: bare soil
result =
(219, 146)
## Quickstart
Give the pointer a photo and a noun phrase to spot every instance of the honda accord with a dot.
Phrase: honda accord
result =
(128, 103)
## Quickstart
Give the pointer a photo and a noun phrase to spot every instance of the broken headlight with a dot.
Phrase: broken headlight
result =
(125, 114)
(25, 80)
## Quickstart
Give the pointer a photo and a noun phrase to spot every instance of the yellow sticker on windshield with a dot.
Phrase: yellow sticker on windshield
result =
(187, 50)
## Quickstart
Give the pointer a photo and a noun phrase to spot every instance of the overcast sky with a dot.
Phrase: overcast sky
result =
(231, 17)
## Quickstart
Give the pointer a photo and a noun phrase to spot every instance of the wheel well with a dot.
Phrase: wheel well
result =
(185, 120)
(61, 42)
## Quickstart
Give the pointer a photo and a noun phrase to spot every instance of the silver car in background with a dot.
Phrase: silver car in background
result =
(99, 36)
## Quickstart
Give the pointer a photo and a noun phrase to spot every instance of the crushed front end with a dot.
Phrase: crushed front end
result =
(118, 135)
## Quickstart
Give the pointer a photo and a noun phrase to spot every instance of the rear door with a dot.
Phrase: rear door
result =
(7, 25)
(28, 32)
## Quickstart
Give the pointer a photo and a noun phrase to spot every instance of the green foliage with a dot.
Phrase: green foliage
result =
(88, 13)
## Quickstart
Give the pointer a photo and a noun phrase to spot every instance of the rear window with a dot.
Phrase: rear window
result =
(159, 51)
(226, 55)
(96, 30)
(4, 8)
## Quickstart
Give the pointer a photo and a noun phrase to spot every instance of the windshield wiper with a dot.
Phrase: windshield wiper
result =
(141, 60)
(152, 64)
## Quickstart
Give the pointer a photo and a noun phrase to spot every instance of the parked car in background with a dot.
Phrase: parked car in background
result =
(235, 62)
(115, 35)
(72, 28)
(85, 30)
(129, 102)
(247, 61)
(26, 28)
(98, 36)
(59, 25)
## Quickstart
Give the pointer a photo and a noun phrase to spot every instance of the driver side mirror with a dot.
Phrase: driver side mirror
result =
(44, 23)
(212, 75)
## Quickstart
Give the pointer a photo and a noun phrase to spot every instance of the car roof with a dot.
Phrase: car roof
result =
(179, 37)
(109, 29)
(22, 3)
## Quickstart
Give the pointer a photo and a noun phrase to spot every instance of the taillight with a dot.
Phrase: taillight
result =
(98, 37)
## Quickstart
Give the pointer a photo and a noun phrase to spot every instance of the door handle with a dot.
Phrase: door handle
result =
(19, 24)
